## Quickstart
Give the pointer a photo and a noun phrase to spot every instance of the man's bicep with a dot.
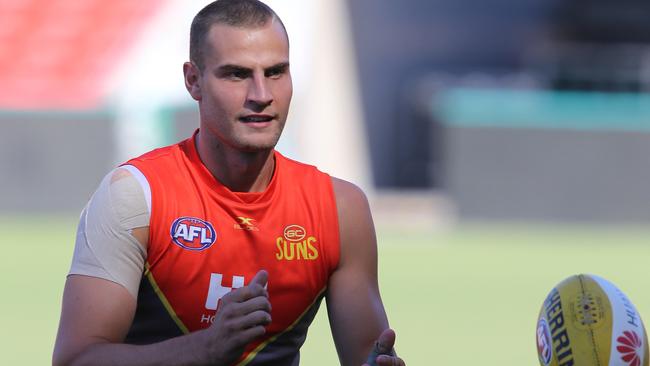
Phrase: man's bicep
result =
(113, 231)
(94, 310)
(354, 305)
(99, 299)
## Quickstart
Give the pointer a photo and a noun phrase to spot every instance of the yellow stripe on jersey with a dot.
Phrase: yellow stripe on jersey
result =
(259, 348)
(163, 300)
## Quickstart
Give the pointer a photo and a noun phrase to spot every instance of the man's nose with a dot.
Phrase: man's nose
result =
(259, 92)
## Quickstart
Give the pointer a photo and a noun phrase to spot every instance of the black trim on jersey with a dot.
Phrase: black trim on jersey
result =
(285, 350)
(152, 322)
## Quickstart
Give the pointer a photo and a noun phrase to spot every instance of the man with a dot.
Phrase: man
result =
(218, 250)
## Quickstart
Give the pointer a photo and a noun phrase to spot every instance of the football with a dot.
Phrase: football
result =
(587, 321)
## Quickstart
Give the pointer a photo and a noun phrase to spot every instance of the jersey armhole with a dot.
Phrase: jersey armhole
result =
(334, 250)
(142, 180)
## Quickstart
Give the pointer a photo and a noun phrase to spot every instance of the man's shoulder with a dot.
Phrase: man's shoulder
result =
(169, 151)
(292, 163)
(343, 189)
(299, 168)
(348, 194)
(164, 157)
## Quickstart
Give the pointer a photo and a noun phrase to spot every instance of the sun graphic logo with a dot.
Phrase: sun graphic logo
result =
(544, 348)
(629, 346)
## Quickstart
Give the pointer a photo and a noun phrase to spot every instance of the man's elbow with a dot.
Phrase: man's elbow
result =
(66, 357)
(58, 359)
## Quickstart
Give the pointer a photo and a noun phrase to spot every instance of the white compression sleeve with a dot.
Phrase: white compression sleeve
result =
(105, 247)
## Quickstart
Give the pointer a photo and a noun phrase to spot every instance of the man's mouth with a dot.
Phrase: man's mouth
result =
(256, 118)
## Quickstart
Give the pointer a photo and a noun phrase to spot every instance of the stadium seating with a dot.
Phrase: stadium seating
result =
(59, 54)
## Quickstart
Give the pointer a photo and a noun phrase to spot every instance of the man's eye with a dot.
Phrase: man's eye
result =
(237, 75)
(275, 73)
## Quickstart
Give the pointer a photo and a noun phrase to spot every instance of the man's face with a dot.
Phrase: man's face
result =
(245, 88)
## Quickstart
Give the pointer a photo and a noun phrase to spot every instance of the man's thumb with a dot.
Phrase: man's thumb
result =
(383, 346)
(386, 341)
(261, 278)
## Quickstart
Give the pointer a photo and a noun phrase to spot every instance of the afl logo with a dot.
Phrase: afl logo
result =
(192, 233)
(544, 346)
(294, 233)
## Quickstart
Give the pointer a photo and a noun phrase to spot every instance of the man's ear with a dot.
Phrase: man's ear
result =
(192, 76)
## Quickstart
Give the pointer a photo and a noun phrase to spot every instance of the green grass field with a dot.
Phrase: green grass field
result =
(466, 296)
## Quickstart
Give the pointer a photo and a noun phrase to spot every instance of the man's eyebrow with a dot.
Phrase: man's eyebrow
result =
(279, 66)
(232, 68)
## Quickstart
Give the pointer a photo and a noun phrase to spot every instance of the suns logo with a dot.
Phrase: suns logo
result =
(629, 344)
(544, 347)
(294, 233)
(294, 244)
(192, 233)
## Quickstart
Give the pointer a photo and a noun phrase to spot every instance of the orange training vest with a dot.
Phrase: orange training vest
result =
(205, 240)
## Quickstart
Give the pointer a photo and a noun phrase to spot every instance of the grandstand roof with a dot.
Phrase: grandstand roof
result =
(59, 54)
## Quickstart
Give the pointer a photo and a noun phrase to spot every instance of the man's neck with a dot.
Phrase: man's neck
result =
(237, 170)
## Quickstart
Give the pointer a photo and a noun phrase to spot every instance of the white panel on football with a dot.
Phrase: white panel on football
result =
(625, 318)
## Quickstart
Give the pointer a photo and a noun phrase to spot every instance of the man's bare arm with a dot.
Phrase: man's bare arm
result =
(97, 312)
(97, 315)
(357, 316)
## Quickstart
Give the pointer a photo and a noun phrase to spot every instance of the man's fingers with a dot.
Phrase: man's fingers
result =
(254, 288)
(254, 304)
(384, 360)
(243, 294)
(377, 351)
(248, 335)
(241, 309)
(255, 319)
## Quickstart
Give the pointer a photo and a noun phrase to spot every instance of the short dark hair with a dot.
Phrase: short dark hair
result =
(236, 13)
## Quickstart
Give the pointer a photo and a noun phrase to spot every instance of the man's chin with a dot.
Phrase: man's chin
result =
(255, 149)
(257, 146)
(258, 143)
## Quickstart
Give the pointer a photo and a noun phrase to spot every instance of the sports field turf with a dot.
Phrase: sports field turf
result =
(465, 296)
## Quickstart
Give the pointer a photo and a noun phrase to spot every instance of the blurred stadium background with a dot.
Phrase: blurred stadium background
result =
(503, 145)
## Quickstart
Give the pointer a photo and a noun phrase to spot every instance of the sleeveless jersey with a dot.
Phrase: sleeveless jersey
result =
(205, 240)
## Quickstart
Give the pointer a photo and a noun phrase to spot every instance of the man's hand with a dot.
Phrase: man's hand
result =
(383, 353)
(241, 317)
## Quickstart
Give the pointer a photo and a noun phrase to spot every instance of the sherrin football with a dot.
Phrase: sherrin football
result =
(587, 321)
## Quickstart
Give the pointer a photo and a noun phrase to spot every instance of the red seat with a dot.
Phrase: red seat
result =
(58, 54)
